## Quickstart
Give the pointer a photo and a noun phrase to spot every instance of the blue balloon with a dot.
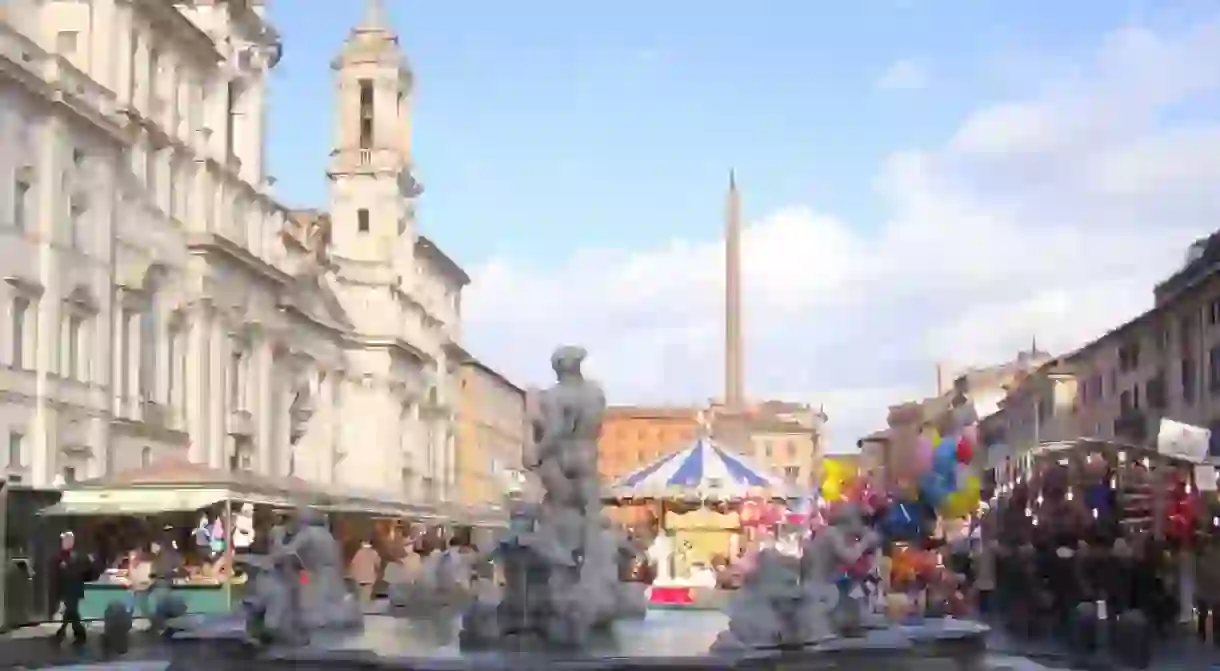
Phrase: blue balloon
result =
(902, 522)
(944, 457)
(934, 487)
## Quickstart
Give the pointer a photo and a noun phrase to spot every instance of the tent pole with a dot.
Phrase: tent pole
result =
(230, 570)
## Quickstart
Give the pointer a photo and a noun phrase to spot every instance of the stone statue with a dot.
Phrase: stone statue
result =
(788, 601)
(841, 555)
(561, 561)
(300, 586)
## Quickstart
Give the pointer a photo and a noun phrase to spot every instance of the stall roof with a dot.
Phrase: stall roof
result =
(122, 502)
(153, 488)
(187, 474)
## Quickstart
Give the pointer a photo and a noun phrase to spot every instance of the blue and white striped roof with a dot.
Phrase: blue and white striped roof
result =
(705, 469)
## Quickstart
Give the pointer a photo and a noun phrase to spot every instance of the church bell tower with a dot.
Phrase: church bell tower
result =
(372, 190)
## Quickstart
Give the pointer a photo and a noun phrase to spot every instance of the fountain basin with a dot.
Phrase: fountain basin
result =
(671, 640)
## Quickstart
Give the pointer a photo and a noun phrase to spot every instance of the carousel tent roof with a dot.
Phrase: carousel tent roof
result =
(703, 468)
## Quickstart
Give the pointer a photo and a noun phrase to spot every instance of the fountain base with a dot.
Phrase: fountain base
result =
(668, 640)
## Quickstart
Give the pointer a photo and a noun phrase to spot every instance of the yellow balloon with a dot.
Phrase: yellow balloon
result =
(832, 490)
(832, 471)
(932, 435)
(960, 504)
(952, 506)
(972, 485)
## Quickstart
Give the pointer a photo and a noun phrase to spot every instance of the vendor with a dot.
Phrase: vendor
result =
(167, 564)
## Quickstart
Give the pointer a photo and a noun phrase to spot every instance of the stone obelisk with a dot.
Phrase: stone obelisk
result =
(734, 364)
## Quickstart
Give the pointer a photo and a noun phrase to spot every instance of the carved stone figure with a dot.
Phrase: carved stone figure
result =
(840, 556)
(787, 601)
(325, 600)
(561, 562)
(300, 586)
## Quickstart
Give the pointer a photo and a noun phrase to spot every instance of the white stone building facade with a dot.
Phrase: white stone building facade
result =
(159, 302)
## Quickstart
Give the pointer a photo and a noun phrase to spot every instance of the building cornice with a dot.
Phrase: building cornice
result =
(209, 244)
(179, 25)
(393, 343)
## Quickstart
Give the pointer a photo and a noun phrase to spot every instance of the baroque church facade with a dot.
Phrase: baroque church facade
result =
(159, 303)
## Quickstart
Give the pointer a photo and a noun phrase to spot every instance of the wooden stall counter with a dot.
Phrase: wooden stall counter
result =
(202, 597)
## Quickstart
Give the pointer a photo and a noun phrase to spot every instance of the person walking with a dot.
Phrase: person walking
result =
(140, 583)
(1207, 589)
(72, 570)
(364, 567)
(985, 575)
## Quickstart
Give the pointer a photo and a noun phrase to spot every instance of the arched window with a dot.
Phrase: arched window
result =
(146, 457)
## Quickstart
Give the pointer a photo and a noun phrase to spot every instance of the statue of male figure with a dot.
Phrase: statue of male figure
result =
(324, 601)
(832, 552)
(566, 431)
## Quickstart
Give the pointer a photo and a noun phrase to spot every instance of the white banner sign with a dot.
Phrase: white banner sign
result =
(1205, 477)
(1183, 441)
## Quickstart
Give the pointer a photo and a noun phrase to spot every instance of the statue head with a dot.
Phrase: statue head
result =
(566, 360)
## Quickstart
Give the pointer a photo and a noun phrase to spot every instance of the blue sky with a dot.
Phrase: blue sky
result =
(543, 126)
(564, 146)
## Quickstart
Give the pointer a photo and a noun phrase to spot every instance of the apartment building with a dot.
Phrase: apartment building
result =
(1164, 363)
(491, 435)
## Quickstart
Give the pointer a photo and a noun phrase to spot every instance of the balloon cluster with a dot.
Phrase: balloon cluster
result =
(839, 483)
(941, 484)
(910, 565)
(945, 484)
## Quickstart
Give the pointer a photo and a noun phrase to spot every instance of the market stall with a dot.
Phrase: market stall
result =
(162, 505)
(700, 496)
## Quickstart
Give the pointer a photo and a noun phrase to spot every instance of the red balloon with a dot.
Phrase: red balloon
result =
(965, 451)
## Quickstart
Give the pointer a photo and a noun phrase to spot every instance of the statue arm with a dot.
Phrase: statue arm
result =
(551, 423)
(847, 552)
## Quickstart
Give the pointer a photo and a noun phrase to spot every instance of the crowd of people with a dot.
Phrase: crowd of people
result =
(1046, 580)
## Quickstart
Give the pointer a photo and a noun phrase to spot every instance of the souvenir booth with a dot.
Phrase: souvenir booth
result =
(1118, 488)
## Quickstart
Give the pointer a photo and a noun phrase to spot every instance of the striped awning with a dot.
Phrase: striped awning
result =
(703, 469)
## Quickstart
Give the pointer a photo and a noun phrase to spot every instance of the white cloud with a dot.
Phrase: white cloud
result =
(1049, 217)
(904, 75)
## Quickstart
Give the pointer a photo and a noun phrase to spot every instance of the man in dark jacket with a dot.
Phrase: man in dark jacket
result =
(72, 570)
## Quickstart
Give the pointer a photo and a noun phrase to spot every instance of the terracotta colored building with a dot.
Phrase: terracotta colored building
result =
(633, 436)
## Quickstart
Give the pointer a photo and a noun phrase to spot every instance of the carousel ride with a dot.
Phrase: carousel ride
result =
(708, 503)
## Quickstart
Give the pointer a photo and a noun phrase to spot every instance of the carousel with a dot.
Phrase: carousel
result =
(704, 500)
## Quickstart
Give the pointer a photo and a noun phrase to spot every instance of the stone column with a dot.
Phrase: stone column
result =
(136, 334)
(198, 363)
(117, 360)
(104, 33)
(325, 442)
(216, 420)
(141, 83)
(263, 409)
(161, 380)
(120, 58)
(253, 123)
(283, 442)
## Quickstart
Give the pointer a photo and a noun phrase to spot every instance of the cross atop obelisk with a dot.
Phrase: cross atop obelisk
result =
(734, 364)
